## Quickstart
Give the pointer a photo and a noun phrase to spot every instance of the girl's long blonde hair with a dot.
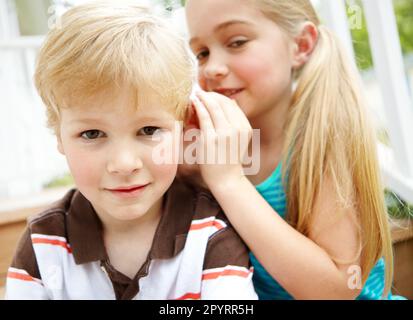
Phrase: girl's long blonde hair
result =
(328, 133)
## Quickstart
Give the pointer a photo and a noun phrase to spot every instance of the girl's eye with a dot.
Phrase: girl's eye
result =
(148, 131)
(91, 134)
(237, 43)
(202, 55)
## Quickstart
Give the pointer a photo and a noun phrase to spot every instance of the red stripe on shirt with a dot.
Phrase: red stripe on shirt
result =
(226, 272)
(198, 226)
(21, 276)
(53, 242)
(193, 296)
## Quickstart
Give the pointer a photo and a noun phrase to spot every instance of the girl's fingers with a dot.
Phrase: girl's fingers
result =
(205, 121)
(215, 110)
(233, 113)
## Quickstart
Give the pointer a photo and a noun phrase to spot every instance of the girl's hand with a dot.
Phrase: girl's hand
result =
(190, 171)
(225, 136)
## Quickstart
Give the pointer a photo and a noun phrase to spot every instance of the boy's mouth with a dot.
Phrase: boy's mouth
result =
(127, 190)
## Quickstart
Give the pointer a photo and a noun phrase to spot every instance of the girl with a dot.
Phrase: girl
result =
(314, 215)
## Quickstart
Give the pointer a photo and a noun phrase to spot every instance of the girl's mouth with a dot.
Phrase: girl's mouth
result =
(230, 93)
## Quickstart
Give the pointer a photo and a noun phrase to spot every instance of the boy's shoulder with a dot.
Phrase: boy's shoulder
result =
(192, 205)
(52, 220)
(47, 227)
(70, 222)
(208, 243)
(196, 197)
(194, 214)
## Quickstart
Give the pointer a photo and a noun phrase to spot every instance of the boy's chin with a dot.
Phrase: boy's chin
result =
(129, 214)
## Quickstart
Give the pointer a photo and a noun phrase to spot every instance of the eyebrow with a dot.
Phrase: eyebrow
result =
(146, 118)
(86, 120)
(223, 26)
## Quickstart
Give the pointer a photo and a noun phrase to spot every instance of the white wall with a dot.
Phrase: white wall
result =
(28, 156)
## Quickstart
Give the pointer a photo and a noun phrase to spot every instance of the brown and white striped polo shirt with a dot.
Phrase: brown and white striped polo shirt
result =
(195, 254)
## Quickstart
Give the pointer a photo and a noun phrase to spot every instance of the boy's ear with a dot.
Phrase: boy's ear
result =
(59, 144)
(191, 119)
(304, 44)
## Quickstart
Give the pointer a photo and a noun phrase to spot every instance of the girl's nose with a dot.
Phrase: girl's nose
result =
(124, 161)
(215, 69)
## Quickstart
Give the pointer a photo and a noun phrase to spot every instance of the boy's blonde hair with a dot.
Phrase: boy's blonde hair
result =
(106, 44)
(329, 133)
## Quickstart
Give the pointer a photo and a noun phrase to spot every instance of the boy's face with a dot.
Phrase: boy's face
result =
(110, 149)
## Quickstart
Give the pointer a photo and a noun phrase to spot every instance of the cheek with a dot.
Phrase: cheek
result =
(262, 66)
(266, 76)
(201, 80)
(84, 168)
(168, 171)
(163, 174)
(250, 70)
(161, 161)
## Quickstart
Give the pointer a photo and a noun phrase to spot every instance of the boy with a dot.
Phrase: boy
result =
(112, 77)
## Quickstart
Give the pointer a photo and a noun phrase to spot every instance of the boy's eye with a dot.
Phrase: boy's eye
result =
(148, 131)
(237, 43)
(91, 134)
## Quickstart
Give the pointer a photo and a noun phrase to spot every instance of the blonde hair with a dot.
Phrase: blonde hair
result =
(107, 44)
(328, 133)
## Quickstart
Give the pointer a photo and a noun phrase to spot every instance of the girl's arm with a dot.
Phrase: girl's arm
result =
(302, 265)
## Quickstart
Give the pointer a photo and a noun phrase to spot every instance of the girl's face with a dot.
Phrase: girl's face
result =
(241, 54)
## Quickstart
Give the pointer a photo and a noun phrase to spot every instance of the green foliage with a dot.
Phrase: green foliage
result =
(361, 42)
(62, 181)
(404, 14)
(170, 4)
(404, 17)
(396, 207)
(383, 137)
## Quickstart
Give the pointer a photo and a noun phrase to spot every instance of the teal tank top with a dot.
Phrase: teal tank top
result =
(266, 287)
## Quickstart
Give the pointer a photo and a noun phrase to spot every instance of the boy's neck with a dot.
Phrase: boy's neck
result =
(114, 227)
(128, 243)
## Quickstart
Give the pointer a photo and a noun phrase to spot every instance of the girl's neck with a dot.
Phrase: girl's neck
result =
(272, 125)
(272, 136)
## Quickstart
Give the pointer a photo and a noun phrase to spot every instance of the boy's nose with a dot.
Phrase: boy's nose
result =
(124, 161)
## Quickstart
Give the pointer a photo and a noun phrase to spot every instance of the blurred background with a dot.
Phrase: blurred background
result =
(378, 35)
